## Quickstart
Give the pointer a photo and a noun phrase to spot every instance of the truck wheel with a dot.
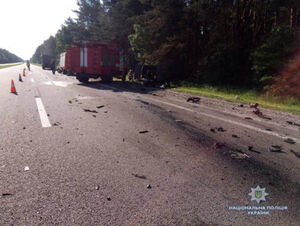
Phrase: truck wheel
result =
(83, 80)
(106, 78)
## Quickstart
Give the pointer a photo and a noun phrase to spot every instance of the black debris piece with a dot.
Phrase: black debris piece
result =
(149, 186)
(290, 141)
(70, 102)
(235, 136)
(139, 176)
(250, 148)
(268, 129)
(220, 129)
(101, 106)
(293, 123)
(92, 111)
(6, 194)
(212, 130)
(56, 124)
(94, 116)
(108, 198)
(24, 127)
(219, 145)
(248, 118)
(241, 105)
(194, 100)
(144, 131)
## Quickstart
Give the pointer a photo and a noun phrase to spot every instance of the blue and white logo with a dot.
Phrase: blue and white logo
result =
(258, 194)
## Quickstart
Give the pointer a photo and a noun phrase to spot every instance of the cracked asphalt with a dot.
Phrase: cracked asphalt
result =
(121, 154)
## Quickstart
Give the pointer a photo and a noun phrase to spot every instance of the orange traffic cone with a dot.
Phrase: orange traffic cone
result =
(24, 72)
(12, 87)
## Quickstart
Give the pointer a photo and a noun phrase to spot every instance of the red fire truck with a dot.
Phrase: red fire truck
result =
(91, 60)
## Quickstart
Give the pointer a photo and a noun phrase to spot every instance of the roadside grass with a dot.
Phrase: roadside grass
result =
(246, 96)
(9, 65)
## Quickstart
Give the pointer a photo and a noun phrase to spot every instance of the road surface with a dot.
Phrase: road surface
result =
(120, 154)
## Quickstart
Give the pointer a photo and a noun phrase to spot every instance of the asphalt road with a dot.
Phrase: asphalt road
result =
(120, 154)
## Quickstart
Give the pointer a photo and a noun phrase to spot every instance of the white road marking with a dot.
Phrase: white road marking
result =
(32, 80)
(226, 120)
(43, 115)
(214, 117)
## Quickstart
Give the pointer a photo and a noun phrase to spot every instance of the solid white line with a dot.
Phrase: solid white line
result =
(216, 117)
(32, 80)
(43, 115)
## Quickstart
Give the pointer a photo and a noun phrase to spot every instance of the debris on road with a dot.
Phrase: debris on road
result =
(250, 148)
(6, 194)
(70, 102)
(139, 176)
(219, 145)
(149, 186)
(254, 105)
(92, 111)
(144, 131)
(238, 154)
(56, 124)
(108, 198)
(220, 129)
(101, 106)
(24, 127)
(296, 153)
(269, 130)
(26, 168)
(293, 123)
(94, 116)
(212, 130)
(290, 141)
(276, 148)
(248, 118)
(241, 105)
(194, 100)
(105, 112)
(97, 187)
(235, 136)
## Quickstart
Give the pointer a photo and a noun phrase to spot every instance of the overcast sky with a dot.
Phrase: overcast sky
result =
(25, 24)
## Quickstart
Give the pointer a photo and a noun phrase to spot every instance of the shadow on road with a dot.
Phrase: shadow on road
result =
(119, 86)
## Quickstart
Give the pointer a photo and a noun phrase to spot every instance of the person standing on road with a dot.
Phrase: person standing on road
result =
(28, 65)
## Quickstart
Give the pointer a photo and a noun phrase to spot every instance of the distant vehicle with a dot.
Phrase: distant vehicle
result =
(91, 60)
(148, 74)
(48, 62)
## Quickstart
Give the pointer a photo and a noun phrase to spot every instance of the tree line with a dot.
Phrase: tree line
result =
(219, 42)
(7, 57)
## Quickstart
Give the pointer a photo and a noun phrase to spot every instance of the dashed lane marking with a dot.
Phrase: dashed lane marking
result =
(43, 115)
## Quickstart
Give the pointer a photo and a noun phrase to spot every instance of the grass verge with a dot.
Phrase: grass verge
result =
(245, 96)
(9, 65)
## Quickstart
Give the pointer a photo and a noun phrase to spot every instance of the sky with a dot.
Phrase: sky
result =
(25, 24)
